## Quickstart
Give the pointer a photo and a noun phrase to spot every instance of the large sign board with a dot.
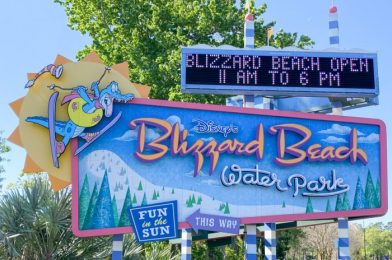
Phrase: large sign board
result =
(254, 165)
(278, 73)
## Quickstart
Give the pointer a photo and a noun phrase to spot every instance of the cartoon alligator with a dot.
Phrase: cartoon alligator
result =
(85, 110)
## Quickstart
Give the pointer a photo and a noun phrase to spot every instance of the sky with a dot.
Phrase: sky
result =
(34, 32)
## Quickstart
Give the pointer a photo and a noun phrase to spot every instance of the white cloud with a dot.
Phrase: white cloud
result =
(339, 130)
(211, 182)
(370, 139)
(334, 140)
(208, 139)
(128, 136)
(175, 119)
(151, 134)
(131, 135)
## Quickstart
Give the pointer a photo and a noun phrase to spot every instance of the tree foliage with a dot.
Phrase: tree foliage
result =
(378, 240)
(4, 148)
(288, 239)
(320, 240)
(35, 223)
(148, 35)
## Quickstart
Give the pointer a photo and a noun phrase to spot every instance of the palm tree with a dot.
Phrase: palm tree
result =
(35, 223)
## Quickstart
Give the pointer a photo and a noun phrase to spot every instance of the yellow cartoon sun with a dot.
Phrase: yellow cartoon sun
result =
(68, 75)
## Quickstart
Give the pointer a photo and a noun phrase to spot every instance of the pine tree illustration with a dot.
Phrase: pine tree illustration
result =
(378, 195)
(157, 194)
(339, 203)
(193, 199)
(103, 209)
(172, 191)
(89, 213)
(283, 204)
(227, 210)
(144, 200)
(140, 187)
(189, 203)
(221, 207)
(115, 211)
(163, 187)
(360, 201)
(309, 207)
(370, 192)
(124, 217)
(199, 200)
(134, 199)
(346, 202)
(190, 200)
(329, 208)
(84, 199)
(154, 196)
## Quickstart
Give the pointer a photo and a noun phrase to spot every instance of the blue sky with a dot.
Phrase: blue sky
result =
(34, 32)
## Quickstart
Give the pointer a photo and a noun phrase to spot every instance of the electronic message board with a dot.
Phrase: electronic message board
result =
(278, 73)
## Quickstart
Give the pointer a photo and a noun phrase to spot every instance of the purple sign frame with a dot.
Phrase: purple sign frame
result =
(222, 130)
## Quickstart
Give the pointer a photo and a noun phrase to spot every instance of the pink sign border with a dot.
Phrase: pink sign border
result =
(248, 220)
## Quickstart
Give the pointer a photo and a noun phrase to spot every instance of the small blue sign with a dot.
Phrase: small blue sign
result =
(155, 222)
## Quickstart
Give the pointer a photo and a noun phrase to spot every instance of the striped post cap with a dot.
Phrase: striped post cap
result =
(186, 244)
(249, 31)
(249, 42)
(117, 248)
(333, 27)
(270, 241)
(250, 242)
(343, 242)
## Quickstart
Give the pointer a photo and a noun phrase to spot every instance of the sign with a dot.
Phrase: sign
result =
(255, 165)
(214, 223)
(155, 222)
(279, 73)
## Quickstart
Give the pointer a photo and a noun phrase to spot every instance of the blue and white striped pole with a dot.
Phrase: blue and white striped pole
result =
(344, 242)
(270, 241)
(250, 242)
(117, 247)
(334, 42)
(333, 27)
(186, 244)
(249, 42)
(249, 31)
(249, 101)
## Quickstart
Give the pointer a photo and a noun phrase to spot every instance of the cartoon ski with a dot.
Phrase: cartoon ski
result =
(101, 132)
(52, 128)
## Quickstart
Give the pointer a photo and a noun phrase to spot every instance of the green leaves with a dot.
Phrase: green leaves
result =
(35, 223)
(149, 35)
(4, 148)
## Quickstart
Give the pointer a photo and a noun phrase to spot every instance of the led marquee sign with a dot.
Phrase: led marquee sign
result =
(275, 72)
